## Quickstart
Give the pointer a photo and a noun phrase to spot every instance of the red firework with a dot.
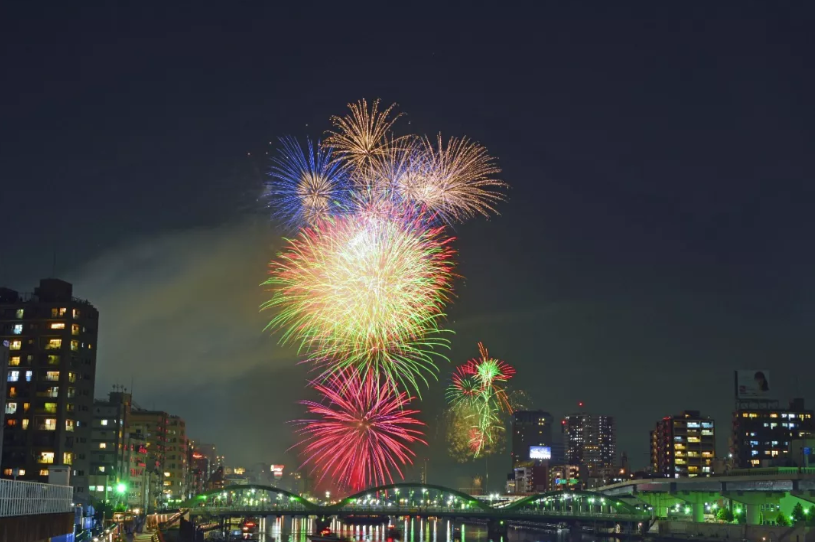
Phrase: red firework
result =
(362, 433)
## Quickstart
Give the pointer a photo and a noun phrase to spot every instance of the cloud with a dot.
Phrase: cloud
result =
(182, 309)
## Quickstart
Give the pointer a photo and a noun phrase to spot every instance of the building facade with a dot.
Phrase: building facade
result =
(530, 428)
(148, 429)
(176, 461)
(762, 436)
(590, 441)
(4, 356)
(683, 445)
(50, 382)
(110, 447)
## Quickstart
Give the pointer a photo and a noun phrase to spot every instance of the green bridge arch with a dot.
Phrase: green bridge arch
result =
(575, 495)
(406, 485)
(257, 487)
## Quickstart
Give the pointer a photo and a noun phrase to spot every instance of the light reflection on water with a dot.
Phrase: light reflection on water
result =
(414, 530)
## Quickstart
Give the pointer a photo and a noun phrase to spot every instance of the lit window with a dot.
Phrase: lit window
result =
(101, 468)
(13, 376)
(69, 407)
(75, 329)
(21, 472)
(74, 345)
(15, 345)
(68, 458)
(26, 406)
(75, 313)
(46, 457)
(102, 445)
(12, 392)
(43, 472)
(29, 375)
(14, 361)
(694, 439)
(90, 346)
(53, 359)
(11, 422)
(53, 376)
(69, 425)
(6, 472)
(53, 344)
(51, 408)
(774, 415)
(50, 424)
(20, 313)
(72, 377)
(55, 312)
(25, 424)
(104, 422)
(17, 329)
(71, 392)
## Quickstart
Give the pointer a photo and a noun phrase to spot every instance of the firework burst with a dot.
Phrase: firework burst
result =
(361, 432)
(306, 186)
(366, 292)
(478, 397)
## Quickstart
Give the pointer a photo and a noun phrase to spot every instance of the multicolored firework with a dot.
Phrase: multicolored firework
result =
(306, 186)
(365, 291)
(361, 433)
(362, 287)
(477, 398)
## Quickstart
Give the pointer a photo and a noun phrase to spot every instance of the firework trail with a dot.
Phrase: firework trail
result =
(361, 431)
(367, 292)
(306, 186)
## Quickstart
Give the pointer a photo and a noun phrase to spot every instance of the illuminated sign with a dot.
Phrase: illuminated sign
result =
(277, 470)
(753, 384)
(540, 452)
(807, 451)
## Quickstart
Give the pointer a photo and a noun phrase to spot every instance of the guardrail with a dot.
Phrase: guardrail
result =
(19, 498)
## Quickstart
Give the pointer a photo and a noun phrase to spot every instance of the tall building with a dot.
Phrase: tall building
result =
(590, 441)
(149, 429)
(530, 428)
(199, 468)
(683, 445)
(763, 435)
(110, 445)
(4, 355)
(50, 377)
(175, 462)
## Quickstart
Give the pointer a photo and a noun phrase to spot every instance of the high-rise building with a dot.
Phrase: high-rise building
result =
(149, 427)
(199, 468)
(175, 462)
(763, 435)
(590, 441)
(110, 445)
(4, 355)
(683, 445)
(50, 378)
(530, 428)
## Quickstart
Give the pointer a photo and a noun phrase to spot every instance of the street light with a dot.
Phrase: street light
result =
(121, 488)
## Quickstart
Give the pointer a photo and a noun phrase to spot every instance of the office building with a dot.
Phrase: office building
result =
(175, 462)
(590, 441)
(199, 469)
(149, 428)
(564, 477)
(208, 451)
(110, 445)
(49, 377)
(683, 445)
(531, 436)
(762, 436)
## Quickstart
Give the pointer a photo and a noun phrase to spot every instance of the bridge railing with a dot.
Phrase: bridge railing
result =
(19, 498)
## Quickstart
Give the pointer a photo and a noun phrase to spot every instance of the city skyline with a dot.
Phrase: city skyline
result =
(647, 249)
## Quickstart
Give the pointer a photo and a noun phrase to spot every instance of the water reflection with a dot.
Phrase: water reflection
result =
(273, 529)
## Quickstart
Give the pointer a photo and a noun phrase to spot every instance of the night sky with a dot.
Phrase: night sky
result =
(657, 236)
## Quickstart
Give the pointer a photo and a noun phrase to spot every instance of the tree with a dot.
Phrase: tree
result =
(781, 520)
(724, 514)
(811, 516)
(798, 513)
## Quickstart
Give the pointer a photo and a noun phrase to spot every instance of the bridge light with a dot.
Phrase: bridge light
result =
(687, 509)
(121, 488)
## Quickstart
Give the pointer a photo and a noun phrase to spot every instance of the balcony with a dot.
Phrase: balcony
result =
(31, 498)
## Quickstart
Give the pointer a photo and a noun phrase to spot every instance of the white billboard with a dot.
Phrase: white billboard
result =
(540, 452)
(753, 384)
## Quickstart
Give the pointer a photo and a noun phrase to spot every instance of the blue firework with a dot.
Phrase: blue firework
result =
(305, 185)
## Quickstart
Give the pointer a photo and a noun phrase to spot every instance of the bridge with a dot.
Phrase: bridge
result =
(757, 493)
(423, 500)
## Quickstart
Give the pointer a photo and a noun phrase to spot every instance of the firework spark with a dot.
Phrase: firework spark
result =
(306, 186)
(456, 181)
(365, 291)
(363, 135)
(361, 433)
